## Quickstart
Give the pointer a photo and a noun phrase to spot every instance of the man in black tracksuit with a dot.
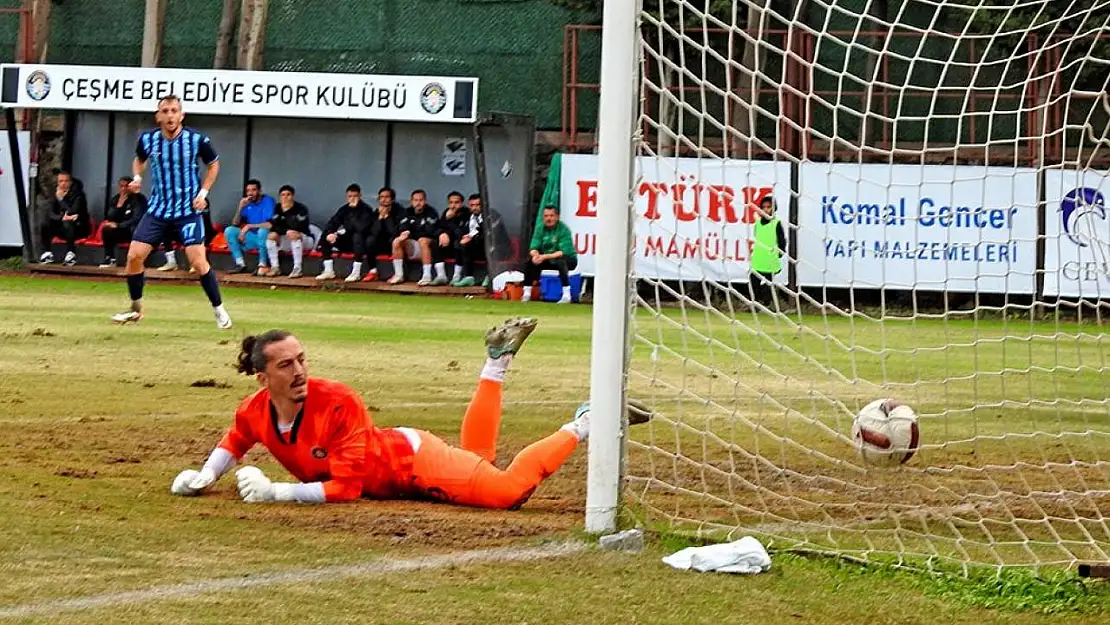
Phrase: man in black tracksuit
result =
(419, 229)
(347, 231)
(68, 218)
(291, 229)
(451, 227)
(471, 244)
(122, 213)
(387, 227)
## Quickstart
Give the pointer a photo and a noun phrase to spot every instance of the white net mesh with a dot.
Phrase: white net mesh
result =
(938, 168)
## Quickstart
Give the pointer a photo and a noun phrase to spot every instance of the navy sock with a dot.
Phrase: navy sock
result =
(211, 288)
(135, 286)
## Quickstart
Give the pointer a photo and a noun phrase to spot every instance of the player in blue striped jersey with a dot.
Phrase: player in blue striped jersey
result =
(177, 197)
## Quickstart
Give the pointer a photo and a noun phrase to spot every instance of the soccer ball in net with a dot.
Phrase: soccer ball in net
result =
(886, 433)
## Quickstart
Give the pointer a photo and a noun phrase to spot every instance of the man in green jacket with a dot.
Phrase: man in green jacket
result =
(769, 246)
(552, 247)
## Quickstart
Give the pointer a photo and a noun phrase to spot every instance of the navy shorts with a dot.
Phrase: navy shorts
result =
(152, 230)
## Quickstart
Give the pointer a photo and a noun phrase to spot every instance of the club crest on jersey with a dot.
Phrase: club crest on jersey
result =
(319, 453)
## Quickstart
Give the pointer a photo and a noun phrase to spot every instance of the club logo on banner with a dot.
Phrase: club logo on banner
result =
(934, 227)
(1077, 234)
(1080, 203)
(38, 85)
(433, 97)
(693, 217)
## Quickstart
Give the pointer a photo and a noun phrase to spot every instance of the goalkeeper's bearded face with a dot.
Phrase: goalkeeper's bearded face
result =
(286, 372)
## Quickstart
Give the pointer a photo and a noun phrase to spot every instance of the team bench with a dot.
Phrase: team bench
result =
(89, 252)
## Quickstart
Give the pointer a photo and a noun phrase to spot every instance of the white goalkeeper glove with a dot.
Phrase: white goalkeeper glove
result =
(190, 483)
(254, 487)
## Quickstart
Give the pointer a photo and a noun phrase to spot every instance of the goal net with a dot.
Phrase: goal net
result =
(938, 169)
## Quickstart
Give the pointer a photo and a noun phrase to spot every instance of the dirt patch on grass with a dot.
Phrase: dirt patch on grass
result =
(153, 451)
(209, 383)
(416, 523)
(78, 473)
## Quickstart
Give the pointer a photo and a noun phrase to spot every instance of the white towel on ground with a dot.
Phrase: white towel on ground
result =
(746, 555)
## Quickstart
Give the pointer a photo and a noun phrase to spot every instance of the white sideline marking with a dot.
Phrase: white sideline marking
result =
(462, 403)
(325, 574)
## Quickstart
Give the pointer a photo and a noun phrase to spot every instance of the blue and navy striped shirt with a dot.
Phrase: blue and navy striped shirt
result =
(172, 163)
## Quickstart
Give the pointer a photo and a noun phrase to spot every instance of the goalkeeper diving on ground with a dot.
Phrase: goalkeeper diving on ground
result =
(321, 432)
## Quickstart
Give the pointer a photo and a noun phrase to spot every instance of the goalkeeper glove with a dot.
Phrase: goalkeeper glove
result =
(190, 483)
(255, 487)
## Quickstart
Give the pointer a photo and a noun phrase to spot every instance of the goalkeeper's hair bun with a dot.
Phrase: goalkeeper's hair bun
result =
(244, 364)
(252, 352)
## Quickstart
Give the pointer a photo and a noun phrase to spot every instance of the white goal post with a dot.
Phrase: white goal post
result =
(939, 172)
(620, 86)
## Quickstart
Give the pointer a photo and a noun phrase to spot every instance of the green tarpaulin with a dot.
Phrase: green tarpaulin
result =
(551, 191)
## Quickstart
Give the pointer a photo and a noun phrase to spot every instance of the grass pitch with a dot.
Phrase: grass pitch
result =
(98, 419)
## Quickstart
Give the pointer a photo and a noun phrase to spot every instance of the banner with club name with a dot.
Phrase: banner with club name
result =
(11, 235)
(1077, 234)
(693, 217)
(932, 227)
(241, 93)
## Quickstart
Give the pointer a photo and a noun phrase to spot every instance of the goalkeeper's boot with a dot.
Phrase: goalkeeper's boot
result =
(131, 316)
(580, 425)
(509, 337)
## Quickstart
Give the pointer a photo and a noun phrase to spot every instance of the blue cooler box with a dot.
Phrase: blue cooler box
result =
(551, 290)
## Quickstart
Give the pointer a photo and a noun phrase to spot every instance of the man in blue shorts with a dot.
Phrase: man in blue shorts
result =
(176, 197)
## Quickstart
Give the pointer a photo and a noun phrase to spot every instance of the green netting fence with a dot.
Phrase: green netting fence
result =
(514, 46)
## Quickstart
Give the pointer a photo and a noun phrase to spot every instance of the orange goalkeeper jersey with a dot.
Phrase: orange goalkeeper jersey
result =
(332, 440)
